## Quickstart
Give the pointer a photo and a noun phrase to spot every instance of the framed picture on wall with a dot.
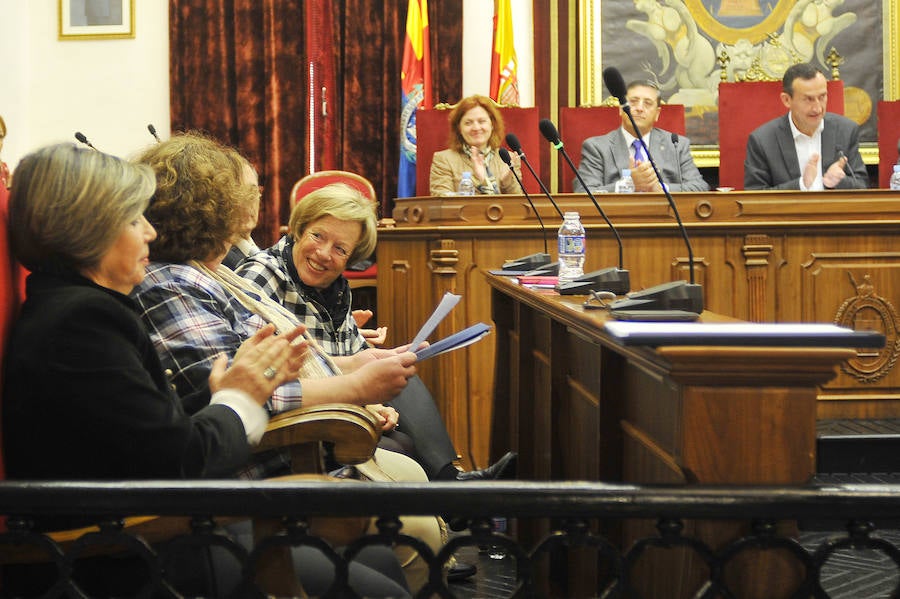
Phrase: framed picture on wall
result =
(96, 19)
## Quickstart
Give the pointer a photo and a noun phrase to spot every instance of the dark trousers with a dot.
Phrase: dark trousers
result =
(422, 422)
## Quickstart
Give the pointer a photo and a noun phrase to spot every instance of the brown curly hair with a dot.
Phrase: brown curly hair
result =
(200, 197)
(498, 129)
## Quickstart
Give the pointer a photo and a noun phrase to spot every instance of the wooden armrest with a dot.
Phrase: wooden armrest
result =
(151, 528)
(352, 429)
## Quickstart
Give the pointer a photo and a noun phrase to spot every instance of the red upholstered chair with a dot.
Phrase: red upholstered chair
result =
(12, 291)
(888, 137)
(576, 124)
(313, 181)
(744, 106)
(433, 131)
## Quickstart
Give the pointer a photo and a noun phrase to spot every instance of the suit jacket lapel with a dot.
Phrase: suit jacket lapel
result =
(829, 145)
(659, 149)
(620, 154)
(787, 148)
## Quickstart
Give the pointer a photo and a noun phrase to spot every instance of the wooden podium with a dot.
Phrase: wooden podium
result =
(760, 256)
(577, 405)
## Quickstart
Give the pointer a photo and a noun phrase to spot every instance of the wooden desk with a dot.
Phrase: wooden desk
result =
(576, 405)
(761, 256)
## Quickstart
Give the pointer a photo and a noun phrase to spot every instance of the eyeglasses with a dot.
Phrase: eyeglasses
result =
(338, 251)
(637, 102)
(602, 299)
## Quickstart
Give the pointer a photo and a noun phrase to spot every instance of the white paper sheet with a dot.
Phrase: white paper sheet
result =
(448, 302)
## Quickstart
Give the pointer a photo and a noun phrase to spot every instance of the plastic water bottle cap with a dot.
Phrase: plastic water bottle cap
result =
(626, 172)
(897, 168)
(467, 175)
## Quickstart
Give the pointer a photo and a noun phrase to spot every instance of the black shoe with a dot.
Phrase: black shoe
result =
(459, 572)
(456, 523)
(504, 468)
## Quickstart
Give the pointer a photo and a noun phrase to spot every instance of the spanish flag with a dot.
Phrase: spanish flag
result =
(415, 80)
(504, 84)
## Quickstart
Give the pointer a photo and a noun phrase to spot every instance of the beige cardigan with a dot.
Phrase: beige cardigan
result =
(447, 167)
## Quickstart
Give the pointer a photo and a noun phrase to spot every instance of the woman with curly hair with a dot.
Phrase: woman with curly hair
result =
(203, 189)
(476, 132)
(196, 309)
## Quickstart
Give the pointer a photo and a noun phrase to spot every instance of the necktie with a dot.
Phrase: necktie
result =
(639, 154)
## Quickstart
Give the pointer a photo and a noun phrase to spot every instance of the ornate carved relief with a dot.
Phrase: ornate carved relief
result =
(444, 258)
(869, 311)
(494, 213)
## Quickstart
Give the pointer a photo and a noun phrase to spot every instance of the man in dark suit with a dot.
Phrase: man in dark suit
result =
(603, 157)
(808, 148)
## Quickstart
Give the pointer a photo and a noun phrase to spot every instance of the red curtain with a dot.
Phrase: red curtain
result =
(239, 69)
(236, 72)
(369, 79)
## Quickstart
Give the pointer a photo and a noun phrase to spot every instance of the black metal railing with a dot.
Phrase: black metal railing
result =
(573, 515)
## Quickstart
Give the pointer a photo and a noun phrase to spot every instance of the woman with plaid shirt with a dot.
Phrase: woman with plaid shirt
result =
(330, 228)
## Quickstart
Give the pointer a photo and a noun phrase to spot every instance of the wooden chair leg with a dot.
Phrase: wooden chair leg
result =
(275, 570)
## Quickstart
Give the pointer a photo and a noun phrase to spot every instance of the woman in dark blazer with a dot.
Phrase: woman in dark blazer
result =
(85, 397)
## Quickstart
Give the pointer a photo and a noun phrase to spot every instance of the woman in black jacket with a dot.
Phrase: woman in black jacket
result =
(85, 396)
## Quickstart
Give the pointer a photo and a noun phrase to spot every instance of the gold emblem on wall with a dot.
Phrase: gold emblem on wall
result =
(868, 311)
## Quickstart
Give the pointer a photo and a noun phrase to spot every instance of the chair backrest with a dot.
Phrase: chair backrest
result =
(314, 181)
(433, 131)
(576, 124)
(744, 106)
(888, 138)
(12, 280)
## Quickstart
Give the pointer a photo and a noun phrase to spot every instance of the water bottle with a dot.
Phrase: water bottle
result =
(466, 185)
(895, 178)
(571, 247)
(626, 183)
(498, 525)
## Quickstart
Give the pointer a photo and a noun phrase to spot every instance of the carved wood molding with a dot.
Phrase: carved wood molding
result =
(869, 311)
(444, 258)
(756, 250)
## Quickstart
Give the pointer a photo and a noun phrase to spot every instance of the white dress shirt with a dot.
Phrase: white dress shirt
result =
(806, 146)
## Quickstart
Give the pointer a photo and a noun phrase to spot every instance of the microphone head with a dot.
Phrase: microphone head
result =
(80, 137)
(548, 130)
(674, 138)
(614, 82)
(513, 142)
(505, 157)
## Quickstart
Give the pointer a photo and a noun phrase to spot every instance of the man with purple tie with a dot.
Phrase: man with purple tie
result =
(603, 157)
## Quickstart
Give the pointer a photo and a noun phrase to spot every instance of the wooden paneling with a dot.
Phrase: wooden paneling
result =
(761, 256)
(671, 415)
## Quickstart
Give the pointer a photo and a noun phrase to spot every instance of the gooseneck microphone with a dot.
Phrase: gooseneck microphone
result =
(612, 279)
(513, 142)
(678, 160)
(152, 131)
(80, 137)
(677, 295)
(534, 260)
(847, 168)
